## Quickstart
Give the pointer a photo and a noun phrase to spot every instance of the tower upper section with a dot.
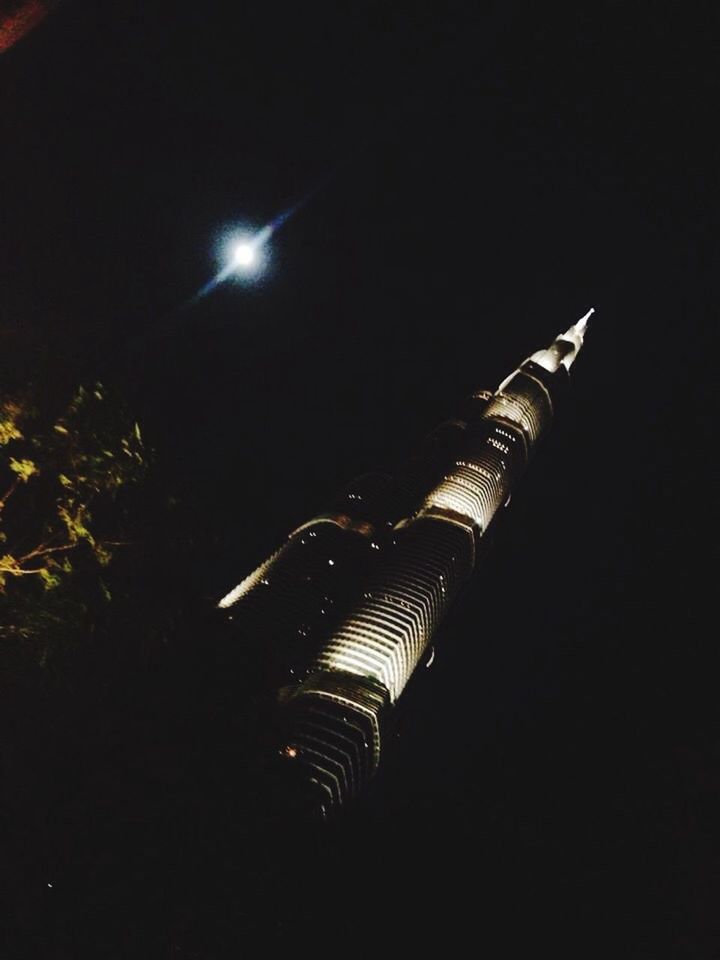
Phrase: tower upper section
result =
(498, 446)
(434, 551)
(565, 348)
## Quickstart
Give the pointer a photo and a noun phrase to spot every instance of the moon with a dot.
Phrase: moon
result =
(244, 255)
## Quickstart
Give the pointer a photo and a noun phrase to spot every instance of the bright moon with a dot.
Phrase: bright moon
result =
(244, 255)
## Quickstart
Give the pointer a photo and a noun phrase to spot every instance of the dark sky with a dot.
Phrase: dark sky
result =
(489, 171)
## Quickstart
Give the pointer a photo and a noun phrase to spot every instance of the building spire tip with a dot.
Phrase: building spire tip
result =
(582, 322)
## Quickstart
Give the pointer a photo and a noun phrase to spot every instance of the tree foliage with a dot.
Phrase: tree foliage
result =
(60, 515)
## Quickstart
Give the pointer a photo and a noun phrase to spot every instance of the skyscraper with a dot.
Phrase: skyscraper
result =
(350, 602)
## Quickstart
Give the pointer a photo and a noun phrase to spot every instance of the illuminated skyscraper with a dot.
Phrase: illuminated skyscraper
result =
(351, 601)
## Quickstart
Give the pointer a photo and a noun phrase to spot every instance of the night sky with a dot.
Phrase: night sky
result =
(485, 174)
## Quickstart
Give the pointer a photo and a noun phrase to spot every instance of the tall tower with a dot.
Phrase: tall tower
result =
(352, 599)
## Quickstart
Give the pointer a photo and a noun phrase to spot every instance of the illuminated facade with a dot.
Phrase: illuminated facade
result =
(351, 601)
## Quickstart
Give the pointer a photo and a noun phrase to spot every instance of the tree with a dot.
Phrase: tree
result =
(61, 515)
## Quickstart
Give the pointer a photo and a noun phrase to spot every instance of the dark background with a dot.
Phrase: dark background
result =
(488, 173)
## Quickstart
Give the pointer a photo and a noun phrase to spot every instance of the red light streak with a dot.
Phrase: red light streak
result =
(14, 25)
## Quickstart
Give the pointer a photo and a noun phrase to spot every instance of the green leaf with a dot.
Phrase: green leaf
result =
(50, 580)
(103, 555)
(10, 412)
(23, 468)
(9, 563)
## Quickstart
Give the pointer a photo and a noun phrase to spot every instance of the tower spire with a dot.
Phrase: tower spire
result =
(582, 322)
(565, 348)
(575, 335)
